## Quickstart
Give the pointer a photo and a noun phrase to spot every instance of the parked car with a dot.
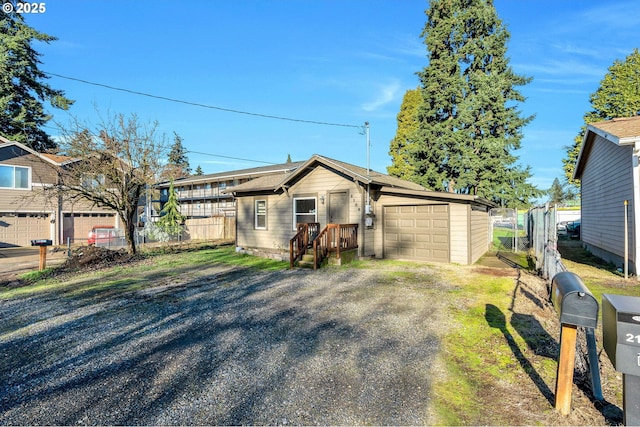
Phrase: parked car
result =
(102, 234)
(573, 229)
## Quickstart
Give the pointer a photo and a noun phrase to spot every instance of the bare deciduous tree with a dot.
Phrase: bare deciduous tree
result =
(116, 162)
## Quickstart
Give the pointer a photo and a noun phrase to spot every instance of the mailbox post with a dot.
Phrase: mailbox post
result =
(621, 338)
(576, 306)
(43, 243)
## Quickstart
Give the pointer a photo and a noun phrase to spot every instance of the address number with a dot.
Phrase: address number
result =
(633, 338)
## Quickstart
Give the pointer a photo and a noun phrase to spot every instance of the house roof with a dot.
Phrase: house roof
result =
(240, 173)
(620, 131)
(386, 183)
(50, 158)
(283, 180)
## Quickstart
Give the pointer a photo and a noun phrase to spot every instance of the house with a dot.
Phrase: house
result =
(203, 196)
(609, 173)
(27, 212)
(386, 216)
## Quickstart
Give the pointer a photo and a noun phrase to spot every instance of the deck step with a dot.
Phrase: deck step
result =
(305, 264)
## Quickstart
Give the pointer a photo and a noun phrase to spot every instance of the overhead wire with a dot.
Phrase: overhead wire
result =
(197, 104)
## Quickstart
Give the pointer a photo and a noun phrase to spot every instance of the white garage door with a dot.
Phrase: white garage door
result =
(20, 228)
(417, 232)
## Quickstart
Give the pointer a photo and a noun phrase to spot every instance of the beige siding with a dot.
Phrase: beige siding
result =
(459, 233)
(479, 233)
(607, 181)
(40, 173)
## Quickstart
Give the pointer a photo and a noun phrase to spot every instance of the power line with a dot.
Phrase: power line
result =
(230, 157)
(229, 110)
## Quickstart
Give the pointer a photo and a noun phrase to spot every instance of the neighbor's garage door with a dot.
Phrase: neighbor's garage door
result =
(417, 232)
(19, 229)
(77, 225)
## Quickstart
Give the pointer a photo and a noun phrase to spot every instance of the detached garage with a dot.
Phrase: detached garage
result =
(394, 218)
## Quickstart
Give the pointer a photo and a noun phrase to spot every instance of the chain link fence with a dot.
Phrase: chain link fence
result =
(543, 235)
(507, 229)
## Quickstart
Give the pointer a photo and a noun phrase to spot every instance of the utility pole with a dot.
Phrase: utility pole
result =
(366, 131)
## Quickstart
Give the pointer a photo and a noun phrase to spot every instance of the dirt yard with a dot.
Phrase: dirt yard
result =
(216, 344)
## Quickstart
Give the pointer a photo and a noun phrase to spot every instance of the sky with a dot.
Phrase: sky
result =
(340, 63)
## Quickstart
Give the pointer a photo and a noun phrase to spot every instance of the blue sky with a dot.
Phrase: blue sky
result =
(341, 62)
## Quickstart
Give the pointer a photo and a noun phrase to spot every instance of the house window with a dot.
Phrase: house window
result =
(92, 180)
(14, 177)
(304, 210)
(261, 214)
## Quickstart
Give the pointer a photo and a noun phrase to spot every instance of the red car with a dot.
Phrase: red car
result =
(102, 234)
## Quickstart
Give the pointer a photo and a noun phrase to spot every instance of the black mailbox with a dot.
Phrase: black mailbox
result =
(41, 242)
(573, 301)
(621, 332)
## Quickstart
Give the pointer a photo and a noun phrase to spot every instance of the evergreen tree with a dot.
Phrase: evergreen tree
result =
(289, 158)
(171, 220)
(22, 87)
(177, 161)
(467, 123)
(401, 144)
(561, 194)
(556, 193)
(199, 171)
(617, 96)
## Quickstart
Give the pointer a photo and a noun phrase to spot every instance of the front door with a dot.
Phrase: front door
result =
(339, 207)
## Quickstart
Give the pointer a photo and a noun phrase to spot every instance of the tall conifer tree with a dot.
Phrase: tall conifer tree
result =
(468, 124)
(22, 87)
(401, 144)
(617, 96)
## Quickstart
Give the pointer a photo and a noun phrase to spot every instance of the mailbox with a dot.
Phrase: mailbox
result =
(573, 301)
(621, 332)
(41, 242)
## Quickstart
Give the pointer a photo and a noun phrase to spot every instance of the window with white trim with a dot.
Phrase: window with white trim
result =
(14, 177)
(304, 210)
(261, 215)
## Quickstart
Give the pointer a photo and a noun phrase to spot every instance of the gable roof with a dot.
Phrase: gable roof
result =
(619, 131)
(387, 183)
(50, 158)
(279, 181)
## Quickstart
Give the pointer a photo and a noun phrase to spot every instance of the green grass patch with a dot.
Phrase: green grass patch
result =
(154, 266)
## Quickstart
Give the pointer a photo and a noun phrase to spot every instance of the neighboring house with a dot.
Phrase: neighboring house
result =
(202, 196)
(609, 173)
(26, 213)
(395, 218)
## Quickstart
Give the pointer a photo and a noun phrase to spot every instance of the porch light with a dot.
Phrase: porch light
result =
(322, 199)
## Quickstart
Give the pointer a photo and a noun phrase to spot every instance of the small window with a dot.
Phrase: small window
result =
(304, 210)
(14, 177)
(261, 214)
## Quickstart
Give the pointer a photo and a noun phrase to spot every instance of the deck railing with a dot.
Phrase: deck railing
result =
(334, 238)
(298, 245)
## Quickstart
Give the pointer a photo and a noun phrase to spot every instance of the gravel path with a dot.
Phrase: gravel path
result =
(230, 346)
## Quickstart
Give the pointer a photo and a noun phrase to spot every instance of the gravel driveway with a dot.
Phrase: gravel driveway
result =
(227, 346)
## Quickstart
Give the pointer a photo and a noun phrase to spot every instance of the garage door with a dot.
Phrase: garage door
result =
(417, 232)
(19, 229)
(77, 225)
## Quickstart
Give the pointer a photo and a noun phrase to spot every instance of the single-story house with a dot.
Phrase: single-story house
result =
(609, 173)
(394, 218)
(27, 213)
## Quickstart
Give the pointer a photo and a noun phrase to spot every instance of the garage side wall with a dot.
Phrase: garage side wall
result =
(479, 232)
(459, 233)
